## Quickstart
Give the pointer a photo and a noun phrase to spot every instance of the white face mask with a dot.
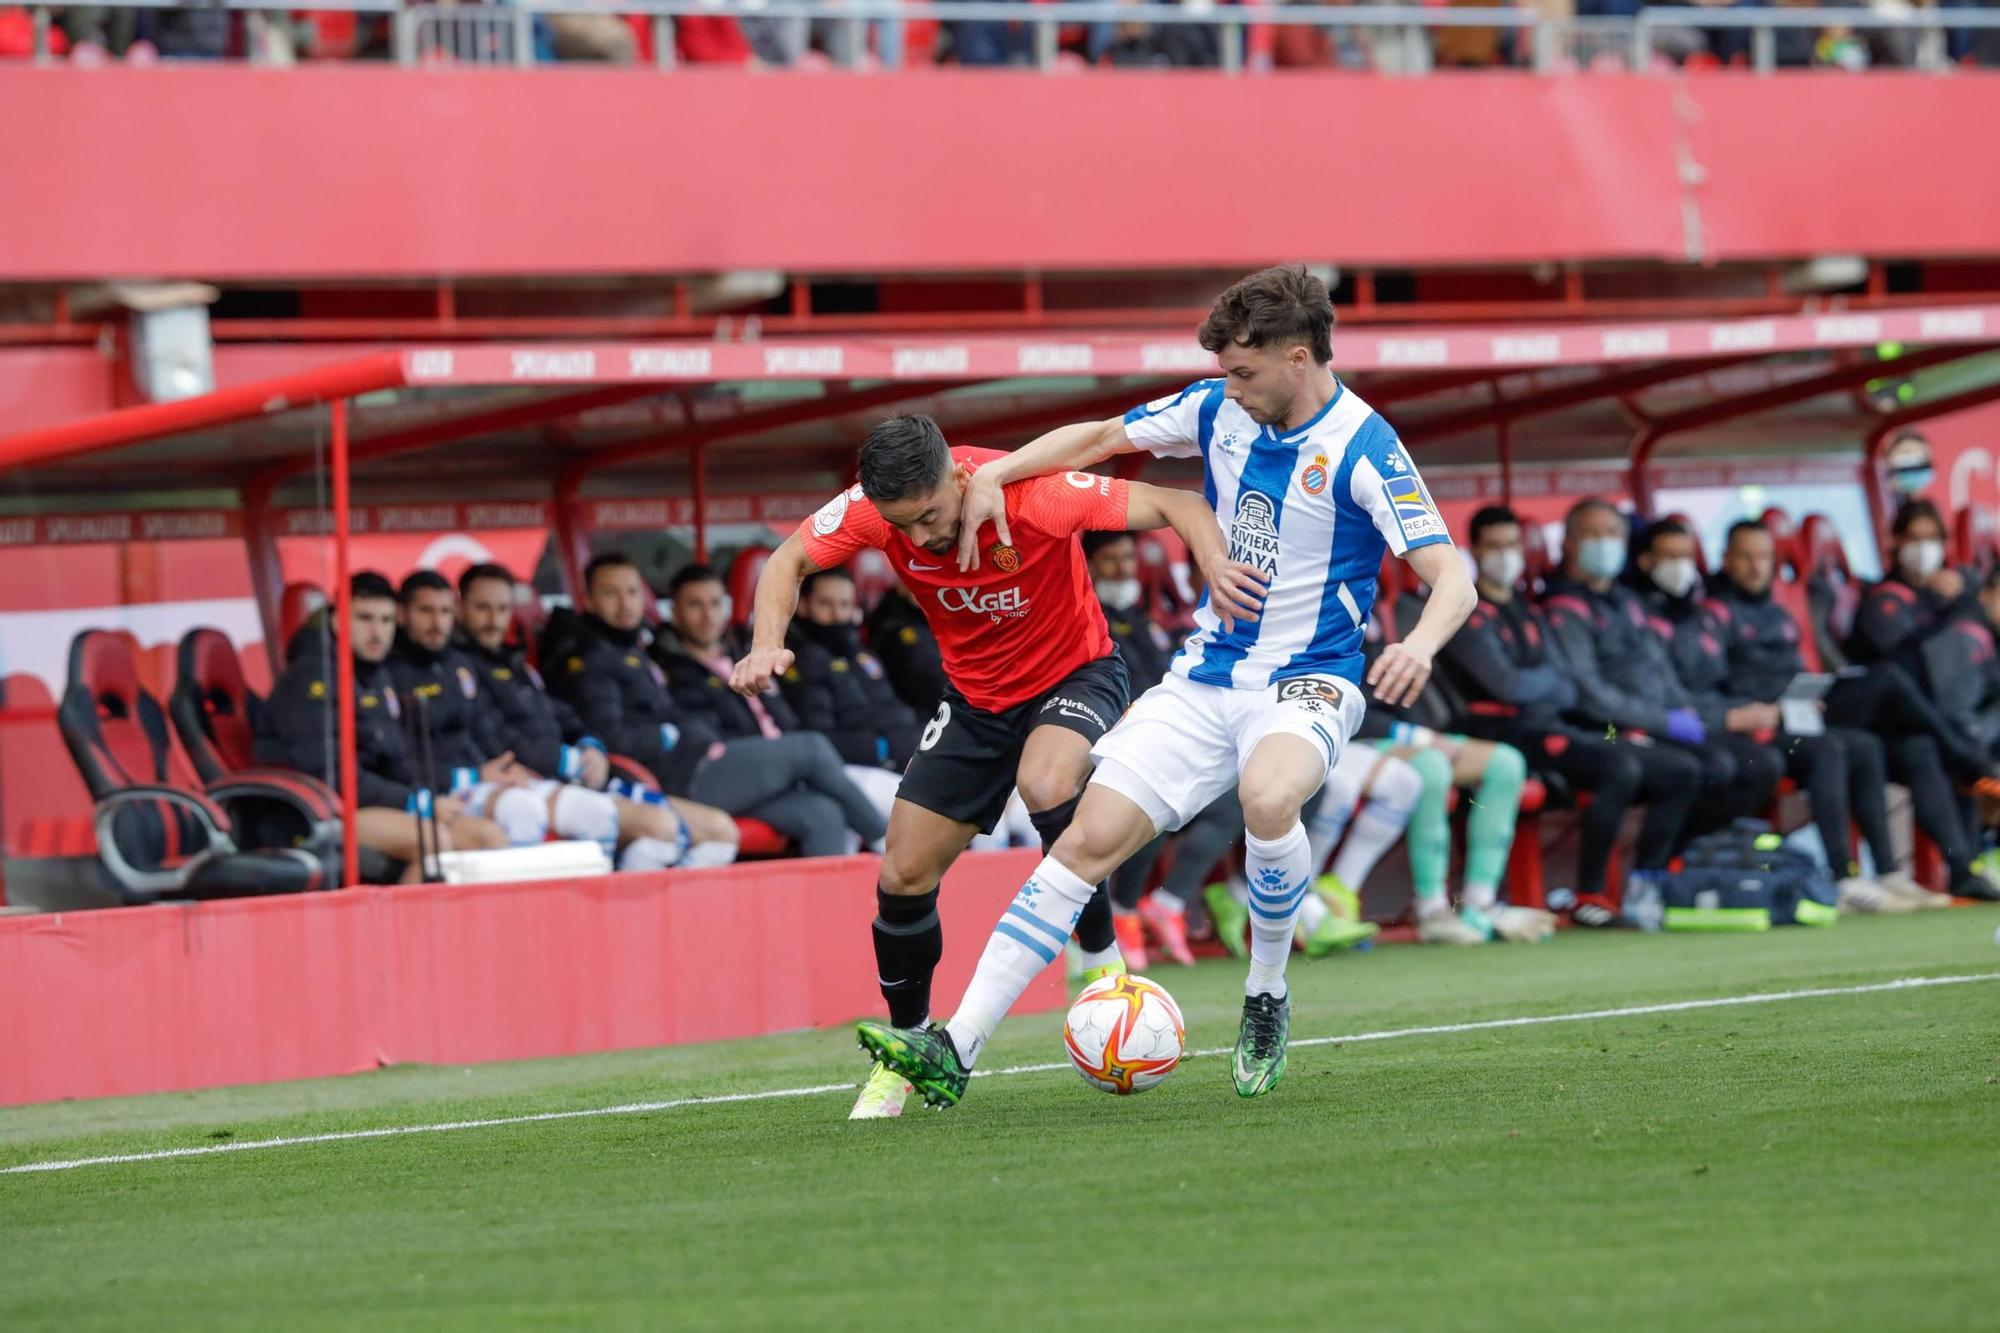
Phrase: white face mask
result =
(1503, 568)
(1601, 557)
(1920, 560)
(1675, 578)
(1118, 594)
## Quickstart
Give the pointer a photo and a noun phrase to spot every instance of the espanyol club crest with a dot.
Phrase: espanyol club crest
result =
(467, 686)
(1313, 480)
(1005, 558)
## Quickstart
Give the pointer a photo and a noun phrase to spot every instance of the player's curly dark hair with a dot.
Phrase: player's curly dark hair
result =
(902, 458)
(1275, 308)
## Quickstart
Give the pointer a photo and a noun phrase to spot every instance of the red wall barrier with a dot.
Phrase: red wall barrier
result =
(160, 998)
(572, 171)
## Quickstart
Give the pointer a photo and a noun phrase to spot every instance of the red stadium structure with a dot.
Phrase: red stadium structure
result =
(1585, 285)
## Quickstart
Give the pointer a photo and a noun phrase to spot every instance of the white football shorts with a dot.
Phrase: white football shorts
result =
(1184, 744)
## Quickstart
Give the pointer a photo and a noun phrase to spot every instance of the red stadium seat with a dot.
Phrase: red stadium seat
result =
(1165, 573)
(530, 619)
(1539, 557)
(742, 583)
(1975, 538)
(1784, 533)
(296, 605)
(157, 836)
(210, 704)
(1832, 592)
(874, 575)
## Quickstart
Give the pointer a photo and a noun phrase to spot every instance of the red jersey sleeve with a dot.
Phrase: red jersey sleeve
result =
(1069, 502)
(847, 523)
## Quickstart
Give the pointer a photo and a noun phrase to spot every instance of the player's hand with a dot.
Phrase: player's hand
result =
(1399, 674)
(983, 502)
(1947, 583)
(1235, 591)
(503, 771)
(753, 673)
(447, 807)
(594, 768)
(1751, 718)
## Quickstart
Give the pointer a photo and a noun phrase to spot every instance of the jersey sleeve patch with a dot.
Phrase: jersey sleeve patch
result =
(840, 527)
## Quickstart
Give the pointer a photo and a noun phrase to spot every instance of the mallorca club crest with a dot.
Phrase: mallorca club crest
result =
(1313, 480)
(1005, 558)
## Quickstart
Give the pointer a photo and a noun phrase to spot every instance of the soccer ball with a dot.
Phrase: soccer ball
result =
(1124, 1034)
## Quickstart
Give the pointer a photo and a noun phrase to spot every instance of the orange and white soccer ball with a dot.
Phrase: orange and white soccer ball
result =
(1124, 1034)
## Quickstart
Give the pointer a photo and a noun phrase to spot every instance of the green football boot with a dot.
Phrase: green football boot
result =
(924, 1056)
(1260, 1044)
(1231, 918)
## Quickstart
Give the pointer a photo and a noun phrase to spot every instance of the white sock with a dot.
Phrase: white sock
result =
(1028, 937)
(1280, 871)
(1173, 902)
(1481, 897)
(1376, 827)
(709, 854)
(1337, 800)
(1437, 905)
(1100, 958)
(1312, 911)
(649, 854)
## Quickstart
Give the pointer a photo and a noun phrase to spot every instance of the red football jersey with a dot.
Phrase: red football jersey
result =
(1028, 616)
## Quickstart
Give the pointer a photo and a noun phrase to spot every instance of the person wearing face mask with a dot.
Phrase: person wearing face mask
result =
(1738, 655)
(1518, 689)
(1626, 678)
(1918, 599)
(1668, 581)
(1113, 558)
(838, 688)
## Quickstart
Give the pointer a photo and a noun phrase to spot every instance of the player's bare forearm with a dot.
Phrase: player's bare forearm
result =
(1451, 601)
(1150, 507)
(1402, 670)
(1235, 590)
(778, 593)
(1072, 448)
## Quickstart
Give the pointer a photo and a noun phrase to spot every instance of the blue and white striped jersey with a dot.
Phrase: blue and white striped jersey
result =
(1313, 508)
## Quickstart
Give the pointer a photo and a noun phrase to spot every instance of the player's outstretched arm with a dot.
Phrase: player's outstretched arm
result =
(1235, 590)
(1403, 669)
(777, 599)
(1071, 448)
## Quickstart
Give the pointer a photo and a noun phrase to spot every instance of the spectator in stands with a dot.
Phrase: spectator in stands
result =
(598, 663)
(293, 730)
(711, 39)
(986, 42)
(899, 635)
(1506, 662)
(1625, 677)
(1841, 770)
(697, 656)
(1147, 650)
(601, 37)
(838, 688)
(547, 736)
(1310, 46)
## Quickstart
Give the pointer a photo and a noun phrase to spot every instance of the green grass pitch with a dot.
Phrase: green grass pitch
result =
(1830, 1162)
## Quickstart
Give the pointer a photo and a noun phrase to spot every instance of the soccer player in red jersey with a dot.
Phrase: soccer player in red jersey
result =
(1033, 679)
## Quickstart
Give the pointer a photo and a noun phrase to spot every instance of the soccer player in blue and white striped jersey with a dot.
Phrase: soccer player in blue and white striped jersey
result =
(1311, 488)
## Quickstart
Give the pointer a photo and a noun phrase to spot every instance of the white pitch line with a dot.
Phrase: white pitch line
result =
(679, 1103)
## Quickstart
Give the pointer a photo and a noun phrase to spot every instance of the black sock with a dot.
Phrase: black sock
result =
(908, 943)
(1093, 927)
